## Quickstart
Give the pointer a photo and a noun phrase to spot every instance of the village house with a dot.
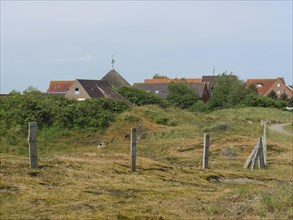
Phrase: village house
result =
(265, 86)
(160, 87)
(82, 89)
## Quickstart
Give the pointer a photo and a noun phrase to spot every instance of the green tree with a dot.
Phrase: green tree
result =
(31, 89)
(181, 94)
(141, 97)
(228, 91)
(272, 95)
(157, 76)
(262, 101)
(17, 110)
(290, 102)
(252, 89)
(284, 97)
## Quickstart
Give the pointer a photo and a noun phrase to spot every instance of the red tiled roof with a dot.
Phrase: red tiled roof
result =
(188, 80)
(157, 80)
(60, 86)
(266, 84)
(166, 80)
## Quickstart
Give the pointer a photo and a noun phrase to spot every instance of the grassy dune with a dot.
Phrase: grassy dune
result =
(78, 180)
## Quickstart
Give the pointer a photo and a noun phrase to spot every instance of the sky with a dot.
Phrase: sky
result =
(68, 40)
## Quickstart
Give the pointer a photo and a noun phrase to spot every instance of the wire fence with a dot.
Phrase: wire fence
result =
(148, 146)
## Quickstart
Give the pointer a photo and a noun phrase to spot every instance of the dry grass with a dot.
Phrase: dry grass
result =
(87, 182)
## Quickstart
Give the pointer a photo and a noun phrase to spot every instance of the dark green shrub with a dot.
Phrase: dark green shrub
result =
(157, 118)
(228, 92)
(290, 102)
(181, 95)
(52, 111)
(199, 106)
(262, 101)
(218, 126)
(140, 97)
(273, 95)
(284, 97)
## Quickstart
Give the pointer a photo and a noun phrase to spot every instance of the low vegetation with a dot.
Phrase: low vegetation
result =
(228, 92)
(86, 175)
(56, 112)
(140, 97)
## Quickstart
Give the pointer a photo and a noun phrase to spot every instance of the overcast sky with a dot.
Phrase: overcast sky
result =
(52, 40)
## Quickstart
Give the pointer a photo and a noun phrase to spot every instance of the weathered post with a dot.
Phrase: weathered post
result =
(261, 163)
(249, 159)
(133, 149)
(32, 141)
(261, 122)
(265, 143)
(206, 144)
(255, 156)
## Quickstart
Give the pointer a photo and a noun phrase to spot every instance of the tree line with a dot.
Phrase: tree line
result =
(228, 91)
(17, 110)
(96, 114)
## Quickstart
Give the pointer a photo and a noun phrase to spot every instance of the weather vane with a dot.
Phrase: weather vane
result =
(113, 61)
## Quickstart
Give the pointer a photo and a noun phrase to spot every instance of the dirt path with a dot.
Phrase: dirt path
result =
(280, 129)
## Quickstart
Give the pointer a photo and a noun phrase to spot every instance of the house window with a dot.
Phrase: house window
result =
(259, 85)
(76, 91)
(285, 91)
(157, 91)
(278, 84)
(278, 92)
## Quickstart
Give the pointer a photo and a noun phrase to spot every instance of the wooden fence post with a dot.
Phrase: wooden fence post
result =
(206, 144)
(32, 141)
(133, 149)
(249, 159)
(265, 143)
(261, 163)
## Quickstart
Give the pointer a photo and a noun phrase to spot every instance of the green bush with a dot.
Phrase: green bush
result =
(290, 102)
(262, 101)
(160, 119)
(199, 106)
(18, 110)
(141, 97)
(272, 94)
(218, 126)
(181, 95)
(228, 92)
(284, 97)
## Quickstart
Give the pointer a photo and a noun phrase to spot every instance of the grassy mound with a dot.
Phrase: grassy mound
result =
(86, 175)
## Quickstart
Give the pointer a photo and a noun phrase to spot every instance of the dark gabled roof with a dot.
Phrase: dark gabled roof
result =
(167, 80)
(115, 79)
(209, 79)
(199, 88)
(101, 88)
(162, 88)
(156, 88)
